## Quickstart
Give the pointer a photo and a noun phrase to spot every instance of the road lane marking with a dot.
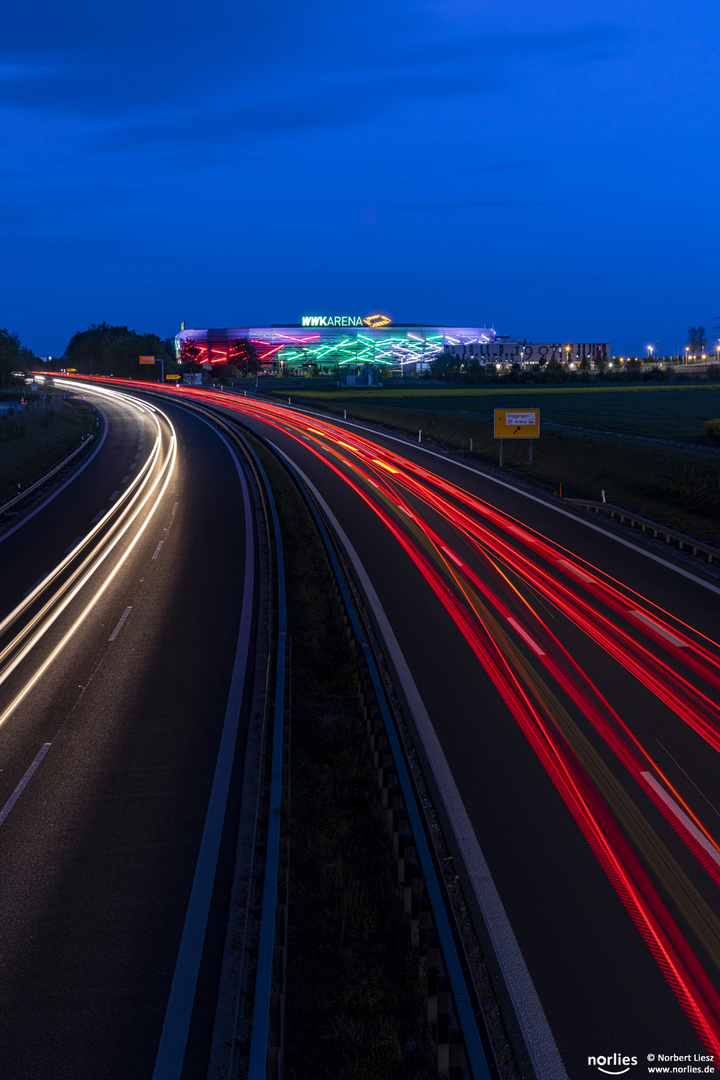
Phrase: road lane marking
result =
(97, 518)
(174, 509)
(157, 550)
(114, 495)
(658, 628)
(125, 479)
(524, 536)
(137, 456)
(451, 555)
(171, 1052)
(682, 817)
(608, 534)
(19, 524)
(133, 465)
(526, 637)
(74, 544)
(38, 582)
(121, 623)
(575, 570)
(24, 782)
(536, 1031)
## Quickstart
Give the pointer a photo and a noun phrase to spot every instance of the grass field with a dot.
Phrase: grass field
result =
(666, 412)
(34, 439)
(608, 447)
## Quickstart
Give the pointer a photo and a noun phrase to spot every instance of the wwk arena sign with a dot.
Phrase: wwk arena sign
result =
(517, 423)
(375, 322)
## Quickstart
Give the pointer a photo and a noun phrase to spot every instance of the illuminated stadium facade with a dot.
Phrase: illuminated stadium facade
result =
(329, 342)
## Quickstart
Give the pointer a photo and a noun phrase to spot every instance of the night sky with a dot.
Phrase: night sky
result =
(547, 169)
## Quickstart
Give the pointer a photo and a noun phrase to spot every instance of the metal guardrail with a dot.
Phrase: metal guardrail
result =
(464, 1048)
(9, 503)
(647, 525)
(267, 1035)
(453, 1012)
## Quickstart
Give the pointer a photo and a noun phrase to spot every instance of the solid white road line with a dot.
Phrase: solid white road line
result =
(171, 1052)
(120, 624)
(62, 487)
(606, 533)
(536, 1031)
(24, 782)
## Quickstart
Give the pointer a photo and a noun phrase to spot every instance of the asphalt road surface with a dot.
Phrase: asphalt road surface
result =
(566, 688)
(114, 682)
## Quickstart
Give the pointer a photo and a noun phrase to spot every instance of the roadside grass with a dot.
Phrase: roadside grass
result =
(660, 411)
(675, 485)
(34, 439)
(355, 1000)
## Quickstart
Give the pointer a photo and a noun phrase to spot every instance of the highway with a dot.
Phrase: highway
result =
(127, 604)
(560, 679)
(565, 686)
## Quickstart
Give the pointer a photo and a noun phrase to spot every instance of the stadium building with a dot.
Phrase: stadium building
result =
(329, 342)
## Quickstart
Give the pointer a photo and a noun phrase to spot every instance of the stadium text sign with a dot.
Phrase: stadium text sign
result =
(375, 321)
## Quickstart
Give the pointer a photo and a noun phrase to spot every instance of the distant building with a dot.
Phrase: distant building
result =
(331, 342)
(507, 350)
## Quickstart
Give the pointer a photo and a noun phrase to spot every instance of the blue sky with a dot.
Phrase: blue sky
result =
(550, 170)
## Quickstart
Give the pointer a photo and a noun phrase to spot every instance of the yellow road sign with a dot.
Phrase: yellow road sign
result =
(517, 423)
(171, 377)
(147, 359)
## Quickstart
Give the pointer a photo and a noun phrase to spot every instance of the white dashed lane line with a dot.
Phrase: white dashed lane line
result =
(24, 782)
(157, 550)
(526, 637)
(114, 495)
(121, 623)
(671, 638)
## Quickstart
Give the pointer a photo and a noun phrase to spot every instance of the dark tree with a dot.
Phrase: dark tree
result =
(244, 356)
(112, 350)
(697, 341)
(190, 353)
(13, 356)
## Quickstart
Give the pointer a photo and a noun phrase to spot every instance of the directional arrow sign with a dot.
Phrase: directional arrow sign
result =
(517, 423)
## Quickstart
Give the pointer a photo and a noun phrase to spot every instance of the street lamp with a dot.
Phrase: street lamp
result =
(650, 351)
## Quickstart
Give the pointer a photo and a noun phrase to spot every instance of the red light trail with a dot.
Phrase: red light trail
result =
(494, 576)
